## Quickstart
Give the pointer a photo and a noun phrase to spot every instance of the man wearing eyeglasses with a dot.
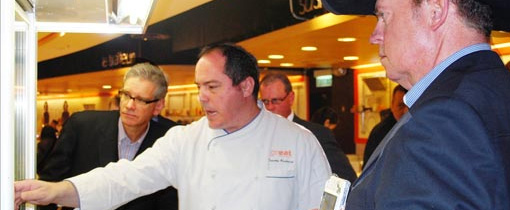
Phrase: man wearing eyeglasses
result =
(93, 139)
(238, 156)
(277, 95)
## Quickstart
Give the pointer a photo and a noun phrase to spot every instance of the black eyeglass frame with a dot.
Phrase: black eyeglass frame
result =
(135, 99)
(275, 101)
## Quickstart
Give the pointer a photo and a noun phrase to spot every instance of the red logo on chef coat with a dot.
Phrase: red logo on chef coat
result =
(281, 153)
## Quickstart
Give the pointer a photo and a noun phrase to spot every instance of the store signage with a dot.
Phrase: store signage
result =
(306, 9)
(119, 59)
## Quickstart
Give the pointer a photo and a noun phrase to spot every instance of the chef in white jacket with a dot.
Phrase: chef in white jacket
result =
(239, 156)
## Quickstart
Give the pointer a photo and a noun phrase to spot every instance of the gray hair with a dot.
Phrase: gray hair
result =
(151, 73)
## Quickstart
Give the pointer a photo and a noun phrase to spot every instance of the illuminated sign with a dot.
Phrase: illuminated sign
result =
(306, 9)
(118, 59)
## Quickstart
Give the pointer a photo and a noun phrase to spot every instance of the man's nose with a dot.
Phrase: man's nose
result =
(269, 106)
(130, 104)
(202, 96)
(377, 36)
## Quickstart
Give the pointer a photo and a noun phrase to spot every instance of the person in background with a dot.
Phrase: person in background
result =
(327, 117)
(397, 109)
(91, 139)
(47, 140)
(451, 150)
(159, 118)
(65, 113)
(46, 114)
(277, 95)
(239, 156)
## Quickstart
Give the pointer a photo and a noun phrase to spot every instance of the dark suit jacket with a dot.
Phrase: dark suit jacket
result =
(337, 159)
(451, 150)
(165, 121)
(376, 136)
(89, 140)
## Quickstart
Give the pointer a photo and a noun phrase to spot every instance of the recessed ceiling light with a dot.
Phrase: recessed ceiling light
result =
(351, 58)
(346, 39)
(275, 56)
(263, 61)
(309, 48)
(286, 64)
(107, 87)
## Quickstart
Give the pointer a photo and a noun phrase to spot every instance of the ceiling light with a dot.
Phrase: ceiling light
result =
(286, 64)
(263, 61)
(351, 58)
(309, 48)
(275, 56)
(133, 10)
(62, 34)
(107, 87)
(346, 39)
(123, 16)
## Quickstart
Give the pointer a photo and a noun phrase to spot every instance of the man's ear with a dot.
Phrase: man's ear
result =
(291, 97)
(247, 86)
(159, 106)
(438, 12)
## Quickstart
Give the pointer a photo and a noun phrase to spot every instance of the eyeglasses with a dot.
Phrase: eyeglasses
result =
(274, 101)
(124, 96)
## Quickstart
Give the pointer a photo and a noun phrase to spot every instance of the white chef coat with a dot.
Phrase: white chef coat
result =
(269, 164)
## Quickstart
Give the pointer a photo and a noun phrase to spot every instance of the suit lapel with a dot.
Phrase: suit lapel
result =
(155, 132)
(380, 148)
(297, 120)
(149, 138)
(108, 140)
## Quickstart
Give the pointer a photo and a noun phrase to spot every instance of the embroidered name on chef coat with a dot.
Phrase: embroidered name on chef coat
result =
(281, 164)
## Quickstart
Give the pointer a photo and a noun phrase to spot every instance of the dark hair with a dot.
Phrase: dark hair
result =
(476, 14)
(272, 77)
(239, 64)
(323, 114)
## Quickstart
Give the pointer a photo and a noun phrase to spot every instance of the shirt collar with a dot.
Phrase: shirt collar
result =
(123, 136)
(291, 116)
(222, 132)
(417, 90)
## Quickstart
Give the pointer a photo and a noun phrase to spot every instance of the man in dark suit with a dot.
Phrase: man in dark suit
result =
(91, 139)
(397, 109)
(452, 148)
(277, 95)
